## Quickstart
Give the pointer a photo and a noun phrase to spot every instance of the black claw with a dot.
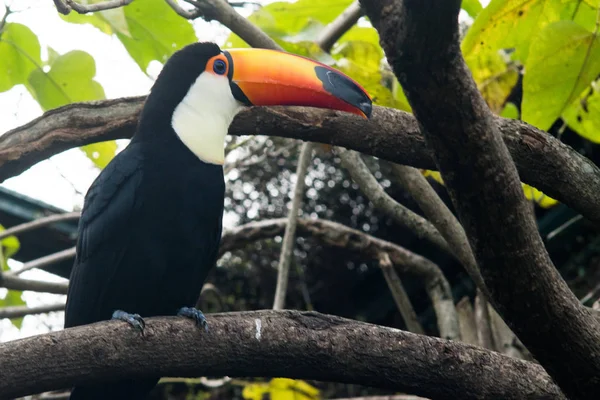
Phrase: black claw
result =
(196, 315)
(134, 320)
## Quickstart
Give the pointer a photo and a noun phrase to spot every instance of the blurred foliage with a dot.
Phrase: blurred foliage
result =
(281, 389)
(9, 246)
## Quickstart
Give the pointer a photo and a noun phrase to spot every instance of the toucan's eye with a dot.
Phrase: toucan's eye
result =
(220, 67)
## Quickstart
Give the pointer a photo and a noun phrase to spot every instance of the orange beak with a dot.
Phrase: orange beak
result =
(262, 77)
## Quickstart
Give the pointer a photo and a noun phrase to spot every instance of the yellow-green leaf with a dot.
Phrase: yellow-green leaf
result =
(9, 246)
(472, 7)
(101, 153)
(19, 55)
(510, 110)
(281, 389)
(564, 60)
(583, 115)
(505, 24)
(532, 194)
(156, 32)
(70, 79)
(495, 79)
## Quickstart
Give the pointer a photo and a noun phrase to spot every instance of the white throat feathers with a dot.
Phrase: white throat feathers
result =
(203, 117)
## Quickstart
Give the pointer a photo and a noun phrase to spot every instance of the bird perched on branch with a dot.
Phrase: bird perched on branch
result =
(151, 224)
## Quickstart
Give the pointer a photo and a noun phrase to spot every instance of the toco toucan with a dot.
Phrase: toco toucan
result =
(150, 227)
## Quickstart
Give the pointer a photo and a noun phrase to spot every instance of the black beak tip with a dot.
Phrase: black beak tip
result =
(366, 107)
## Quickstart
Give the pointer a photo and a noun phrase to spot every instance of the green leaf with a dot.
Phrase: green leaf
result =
(19, 55)
(9, 246)
(101, 153)
(70, 79)
(14, 298)
(108, 21)
(495, 79)
(505, 24)
(510, 111)
(472, 7)
(564, 60)
(156, 32)
(583, 116)
(292, 22)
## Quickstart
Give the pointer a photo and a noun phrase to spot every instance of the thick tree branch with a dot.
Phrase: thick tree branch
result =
(420, 39)
(338, 235)
(392, 135)
(291, 344)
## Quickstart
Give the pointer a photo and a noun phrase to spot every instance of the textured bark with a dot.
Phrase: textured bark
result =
(420, 39)
(466, 320)
(338, 235)
(393, 135)
(303, 345)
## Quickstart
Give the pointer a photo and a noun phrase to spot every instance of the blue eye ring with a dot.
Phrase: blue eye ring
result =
(220, 67)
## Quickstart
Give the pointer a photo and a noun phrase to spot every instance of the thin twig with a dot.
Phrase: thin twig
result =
(188, 14)
(484, 326)
(399, 294)
(61, 7)
(360, 173)
(38, 223)
(45, 261)
(107, 5)
(21, 311)
(290, 230)
(339, 26)
(466, 320)
(16, 283)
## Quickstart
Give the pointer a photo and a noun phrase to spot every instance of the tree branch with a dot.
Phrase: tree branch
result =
(360, 173)
(44, 261)
(16, 283)
(392, 135)
(303, 345)
(441, 217)
(21, 311)
(338, 235)
(466, 320)
(187, 14)
(289, 237)
(400, 296)
(339, 26)
(38, 223)
(65, 7)
(420, 39)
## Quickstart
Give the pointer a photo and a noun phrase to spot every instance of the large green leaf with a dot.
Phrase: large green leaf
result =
(507, 24)
(19, 55)
(71, 79)
(495, 79)
(156, 32)
(564, 60)
(583, 115)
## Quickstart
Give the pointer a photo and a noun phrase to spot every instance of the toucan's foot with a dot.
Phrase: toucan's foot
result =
(196, 315)
(134, 320)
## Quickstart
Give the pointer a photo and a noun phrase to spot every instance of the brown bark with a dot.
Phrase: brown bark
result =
(420, 39)
(302, 345)
(393, 135)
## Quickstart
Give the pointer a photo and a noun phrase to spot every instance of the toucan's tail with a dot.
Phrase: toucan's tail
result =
(127, 389)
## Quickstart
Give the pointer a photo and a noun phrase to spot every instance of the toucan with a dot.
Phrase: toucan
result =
(151, 223)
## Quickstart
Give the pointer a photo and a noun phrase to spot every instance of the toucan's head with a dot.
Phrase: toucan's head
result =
(201, 88)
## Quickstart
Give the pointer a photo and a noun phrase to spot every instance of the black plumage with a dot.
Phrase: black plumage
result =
(151, 223)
